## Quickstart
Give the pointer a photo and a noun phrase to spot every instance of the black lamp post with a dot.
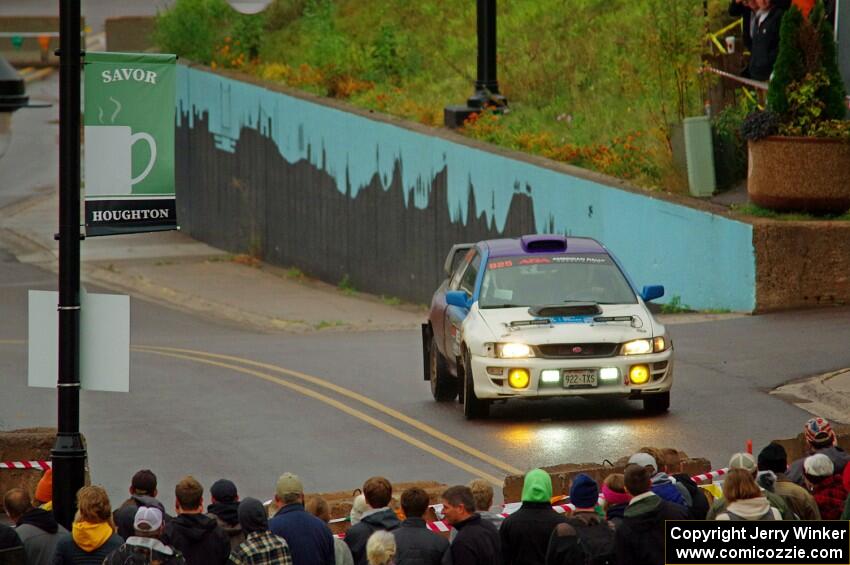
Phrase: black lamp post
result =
(69, 453)
(486, 85)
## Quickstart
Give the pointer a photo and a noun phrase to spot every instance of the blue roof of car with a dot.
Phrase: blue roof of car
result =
(513, 247)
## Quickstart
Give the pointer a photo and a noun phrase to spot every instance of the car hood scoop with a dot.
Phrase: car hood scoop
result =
(573, 309)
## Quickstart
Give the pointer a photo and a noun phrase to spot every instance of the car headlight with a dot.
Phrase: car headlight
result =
(513, 350)
(644, 346)
(637, 347)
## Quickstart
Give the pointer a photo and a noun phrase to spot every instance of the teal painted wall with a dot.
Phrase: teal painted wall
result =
(706, 259)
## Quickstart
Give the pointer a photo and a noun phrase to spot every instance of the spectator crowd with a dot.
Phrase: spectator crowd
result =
(618, 521)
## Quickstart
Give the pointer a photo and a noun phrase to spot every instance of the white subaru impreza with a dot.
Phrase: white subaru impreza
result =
(543, 316)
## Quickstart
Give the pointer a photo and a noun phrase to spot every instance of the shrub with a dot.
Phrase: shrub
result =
(806, 89)
(193, 28)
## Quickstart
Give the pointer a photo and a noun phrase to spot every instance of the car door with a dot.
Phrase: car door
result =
(454, 264)
(464, 281)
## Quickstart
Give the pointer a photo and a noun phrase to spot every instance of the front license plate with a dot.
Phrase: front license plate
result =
(580, 378)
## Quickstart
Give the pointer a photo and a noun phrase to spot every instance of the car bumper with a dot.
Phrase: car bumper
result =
(494, 386)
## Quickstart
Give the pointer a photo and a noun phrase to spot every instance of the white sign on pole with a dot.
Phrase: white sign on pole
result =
(104, 341)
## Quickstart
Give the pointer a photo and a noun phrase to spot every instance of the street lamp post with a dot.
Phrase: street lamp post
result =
(69, 453)
(486, 84)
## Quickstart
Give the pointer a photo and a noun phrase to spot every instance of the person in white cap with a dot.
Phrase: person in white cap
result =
(825, 485)
(748, 463)
(146, 546)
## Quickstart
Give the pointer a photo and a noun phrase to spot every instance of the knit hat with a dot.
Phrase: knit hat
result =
(818, 465)
(613, 498)
(644, 460)
(743, 461)
(147, 519)
(224, 491)
(252, 516)
(584, 492)
(773, 458)
(44, 490)
(819, 433)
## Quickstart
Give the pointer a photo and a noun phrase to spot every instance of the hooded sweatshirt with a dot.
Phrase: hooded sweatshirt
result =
(667, 488)
(39, 533)
(126, 514)
(525, 533)
(639, 539)
(87, 543)
(372, 521)
(199, 539)
(228, 520)
(144, 550)
(750, 509)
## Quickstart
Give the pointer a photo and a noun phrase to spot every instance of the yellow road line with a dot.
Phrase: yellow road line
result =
(339, 406)
(499, 464)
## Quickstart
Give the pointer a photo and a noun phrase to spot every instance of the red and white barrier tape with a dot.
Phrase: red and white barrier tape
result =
(37, 465)
(710, 476)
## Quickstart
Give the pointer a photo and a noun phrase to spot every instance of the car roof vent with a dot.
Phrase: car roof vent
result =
(544, 243)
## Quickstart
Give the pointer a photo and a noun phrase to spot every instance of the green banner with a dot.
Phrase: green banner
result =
(129, 142)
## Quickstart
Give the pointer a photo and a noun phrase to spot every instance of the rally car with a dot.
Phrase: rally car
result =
(543, 316)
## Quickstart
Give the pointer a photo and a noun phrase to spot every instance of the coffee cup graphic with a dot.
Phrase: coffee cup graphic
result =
(109, 160)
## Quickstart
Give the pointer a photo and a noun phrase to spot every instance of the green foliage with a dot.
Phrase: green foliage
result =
(282, 13)
(730, 146)
(675, 306)
(759, 212)
(346, 286)
(193, 28)
(806, 90)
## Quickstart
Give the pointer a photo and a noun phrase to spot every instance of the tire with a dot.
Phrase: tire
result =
(657, 403)
(473, 407)
(443, 384)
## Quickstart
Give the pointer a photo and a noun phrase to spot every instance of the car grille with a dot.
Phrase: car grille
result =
(577, 350)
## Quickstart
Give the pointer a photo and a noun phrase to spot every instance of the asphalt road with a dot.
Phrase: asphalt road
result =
(220, 416)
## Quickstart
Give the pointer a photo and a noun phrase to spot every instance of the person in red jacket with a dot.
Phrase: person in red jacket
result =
(826, 487)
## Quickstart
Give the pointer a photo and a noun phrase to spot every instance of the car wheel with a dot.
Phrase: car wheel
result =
(657, 403)
(473, 407)
(443, 384)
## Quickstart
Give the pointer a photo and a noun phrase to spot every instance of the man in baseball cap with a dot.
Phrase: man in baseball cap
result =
(820, 438)
(146, 546)
(310, 540)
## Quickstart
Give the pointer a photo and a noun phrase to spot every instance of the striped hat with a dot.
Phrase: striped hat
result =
(819, 433)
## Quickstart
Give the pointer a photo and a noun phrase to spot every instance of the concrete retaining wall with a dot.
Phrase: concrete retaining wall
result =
(341, 192)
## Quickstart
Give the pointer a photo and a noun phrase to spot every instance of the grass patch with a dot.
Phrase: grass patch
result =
(759, 212)
(295, 273)
(247, 260)
(675, 306)
(324, 324)
(391, 300)
(346, 286)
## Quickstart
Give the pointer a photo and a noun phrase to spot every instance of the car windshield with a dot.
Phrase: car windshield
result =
(551, 280)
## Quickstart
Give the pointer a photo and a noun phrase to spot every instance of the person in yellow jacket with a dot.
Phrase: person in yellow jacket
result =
(92, 535)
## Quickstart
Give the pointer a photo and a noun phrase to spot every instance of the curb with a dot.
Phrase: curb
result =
(818, 396)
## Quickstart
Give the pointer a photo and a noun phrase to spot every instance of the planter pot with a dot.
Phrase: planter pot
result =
(803, 174)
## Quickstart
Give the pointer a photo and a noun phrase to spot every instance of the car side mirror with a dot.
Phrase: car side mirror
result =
(652, 292)
(457, 298)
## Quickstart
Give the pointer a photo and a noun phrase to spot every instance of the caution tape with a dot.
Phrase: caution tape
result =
(36, 465)
(710, 476)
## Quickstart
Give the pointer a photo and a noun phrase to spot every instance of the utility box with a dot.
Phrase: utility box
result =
(699, 151)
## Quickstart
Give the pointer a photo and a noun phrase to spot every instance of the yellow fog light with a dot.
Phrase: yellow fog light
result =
(518, 378)
(639, 374)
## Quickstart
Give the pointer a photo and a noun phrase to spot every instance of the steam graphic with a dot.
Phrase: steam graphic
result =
(114, 114)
